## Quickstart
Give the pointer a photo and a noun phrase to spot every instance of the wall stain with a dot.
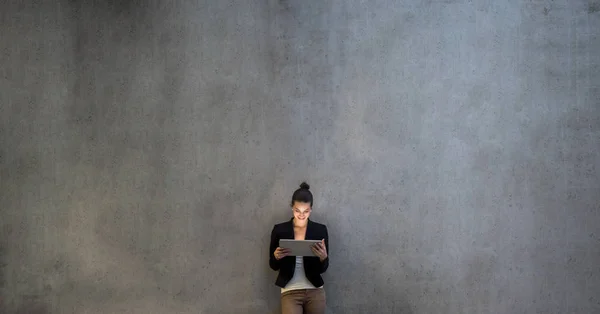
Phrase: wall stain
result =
(594, 7)
(31, 304)
(33, 309)
(3, 265)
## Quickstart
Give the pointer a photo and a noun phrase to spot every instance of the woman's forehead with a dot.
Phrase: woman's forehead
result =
(299, 205)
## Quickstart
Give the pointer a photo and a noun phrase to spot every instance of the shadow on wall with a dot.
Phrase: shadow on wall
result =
(378, 293)
(32, 308)
(28, 304)
(2, 278)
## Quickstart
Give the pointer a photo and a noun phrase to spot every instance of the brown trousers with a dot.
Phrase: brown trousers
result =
(303, 301)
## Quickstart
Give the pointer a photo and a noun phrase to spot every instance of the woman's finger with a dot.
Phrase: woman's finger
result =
(320, 248)
(282, 250)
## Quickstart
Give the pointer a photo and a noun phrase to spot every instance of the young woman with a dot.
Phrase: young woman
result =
(300, 277)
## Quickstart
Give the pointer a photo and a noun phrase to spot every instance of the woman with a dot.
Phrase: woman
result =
(300, 277)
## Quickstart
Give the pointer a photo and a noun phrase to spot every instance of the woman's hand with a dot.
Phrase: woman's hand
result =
(281, 253)
(320, 250)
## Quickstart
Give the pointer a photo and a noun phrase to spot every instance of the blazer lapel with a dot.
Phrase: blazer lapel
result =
(290, 229)
(309, 234)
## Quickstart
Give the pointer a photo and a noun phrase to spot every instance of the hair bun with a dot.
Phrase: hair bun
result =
(305, 186)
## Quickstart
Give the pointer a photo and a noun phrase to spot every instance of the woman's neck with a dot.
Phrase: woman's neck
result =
(300, 226)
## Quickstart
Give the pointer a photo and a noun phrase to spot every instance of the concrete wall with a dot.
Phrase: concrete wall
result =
(147, 148)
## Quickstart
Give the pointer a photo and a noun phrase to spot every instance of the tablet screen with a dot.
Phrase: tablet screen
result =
(298, 247)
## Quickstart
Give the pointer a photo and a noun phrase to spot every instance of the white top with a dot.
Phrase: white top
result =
(299, 280)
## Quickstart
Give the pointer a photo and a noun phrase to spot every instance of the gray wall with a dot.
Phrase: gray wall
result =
(147, 148)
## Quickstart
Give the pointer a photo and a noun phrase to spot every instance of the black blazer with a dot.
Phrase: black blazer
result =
(313, 267)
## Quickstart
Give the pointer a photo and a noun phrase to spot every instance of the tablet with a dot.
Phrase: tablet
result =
(298, 247)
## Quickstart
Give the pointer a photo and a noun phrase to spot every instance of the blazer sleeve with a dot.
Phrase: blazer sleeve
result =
(273, 262)
(325, 263)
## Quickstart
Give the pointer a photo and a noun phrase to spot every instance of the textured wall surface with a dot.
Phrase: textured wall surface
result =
(147, 148)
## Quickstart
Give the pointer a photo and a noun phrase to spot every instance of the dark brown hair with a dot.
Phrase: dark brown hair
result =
(302, 195)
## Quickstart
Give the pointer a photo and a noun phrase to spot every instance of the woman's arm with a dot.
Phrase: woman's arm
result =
(273, 262)
(325, 262)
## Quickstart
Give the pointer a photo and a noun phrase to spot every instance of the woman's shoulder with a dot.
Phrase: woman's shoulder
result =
(282, 224)
(318, 224)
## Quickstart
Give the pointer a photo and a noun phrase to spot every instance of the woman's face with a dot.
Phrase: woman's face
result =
(301, 211)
